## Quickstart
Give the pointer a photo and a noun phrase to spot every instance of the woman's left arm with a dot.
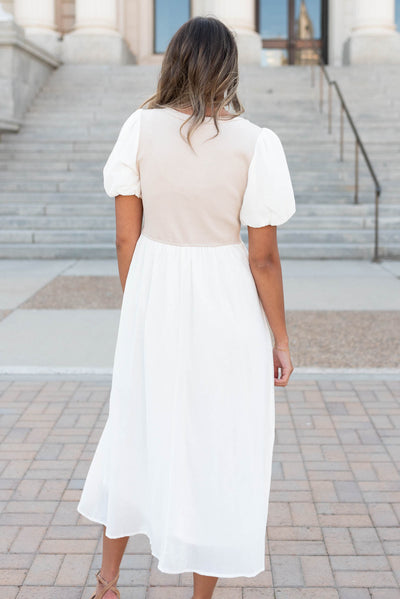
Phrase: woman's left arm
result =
(128, 221)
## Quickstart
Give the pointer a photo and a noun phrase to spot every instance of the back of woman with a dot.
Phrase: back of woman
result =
(197, 195)
(186, 452)
(190, 196)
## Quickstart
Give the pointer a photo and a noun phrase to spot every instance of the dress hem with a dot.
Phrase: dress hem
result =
(160, 566)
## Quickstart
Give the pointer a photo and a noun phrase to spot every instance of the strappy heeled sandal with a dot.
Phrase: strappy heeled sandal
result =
(107, 586)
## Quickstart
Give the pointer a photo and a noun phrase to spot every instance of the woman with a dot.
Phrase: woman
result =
(185, 455)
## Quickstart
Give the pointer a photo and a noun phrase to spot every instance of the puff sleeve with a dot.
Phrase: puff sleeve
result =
(121, 172)
(268, 197)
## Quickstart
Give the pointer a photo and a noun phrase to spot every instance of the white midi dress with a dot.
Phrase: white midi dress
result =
(185, 455)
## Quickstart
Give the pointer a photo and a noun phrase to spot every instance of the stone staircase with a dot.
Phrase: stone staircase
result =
(52, 201)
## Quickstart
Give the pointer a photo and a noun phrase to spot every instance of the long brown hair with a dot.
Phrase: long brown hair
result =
(199, 70)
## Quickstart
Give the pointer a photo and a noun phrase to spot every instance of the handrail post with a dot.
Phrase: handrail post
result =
(341, 132)
(330, 108)
(312, 75)
(321, 89)
(356, 175)
(376, 243)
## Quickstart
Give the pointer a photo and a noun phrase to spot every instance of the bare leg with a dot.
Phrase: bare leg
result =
(113, 550)
(203, 586)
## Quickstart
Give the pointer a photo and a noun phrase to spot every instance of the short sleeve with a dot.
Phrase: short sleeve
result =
(121, 172)
(268, 197)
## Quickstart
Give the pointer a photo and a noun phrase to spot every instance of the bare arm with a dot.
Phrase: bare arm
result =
(128, 220)
(266, 269)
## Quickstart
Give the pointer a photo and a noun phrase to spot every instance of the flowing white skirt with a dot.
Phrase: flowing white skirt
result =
(185, 455)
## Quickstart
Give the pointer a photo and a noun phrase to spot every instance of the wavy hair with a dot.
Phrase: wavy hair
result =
(199, 70)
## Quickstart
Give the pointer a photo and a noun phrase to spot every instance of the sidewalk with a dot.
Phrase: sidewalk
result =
(333, 528)
(64, 313)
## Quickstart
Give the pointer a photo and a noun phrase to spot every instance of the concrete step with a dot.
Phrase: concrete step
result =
(285, 235)
(99, 204)
(94, 219)
(286, 250)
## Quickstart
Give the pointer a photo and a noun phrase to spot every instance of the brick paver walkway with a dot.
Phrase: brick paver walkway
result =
(333, 528)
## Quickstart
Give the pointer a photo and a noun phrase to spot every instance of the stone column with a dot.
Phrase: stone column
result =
(374, 38)
(238, 15)
(38, 21)
(95, 38)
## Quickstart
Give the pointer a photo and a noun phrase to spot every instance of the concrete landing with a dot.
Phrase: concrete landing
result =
(65, 313)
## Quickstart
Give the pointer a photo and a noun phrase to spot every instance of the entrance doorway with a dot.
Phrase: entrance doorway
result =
(292, 30)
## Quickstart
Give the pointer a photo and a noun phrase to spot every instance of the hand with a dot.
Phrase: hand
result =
(282, 360)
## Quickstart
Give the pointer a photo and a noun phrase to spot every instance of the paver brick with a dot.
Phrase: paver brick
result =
(15, 560)
(74, 568)
(294, 533)
(44, 569)
(391, 547)
(331, 508)
(348, 491)
(286, 570)
(366, 541)
(28, 539)
(49, 592)
(334, 507)
(8, 592)
(317, 571)
(258, 593)
(338, 541)
(323, 491)
(12, 577)
(354, 593)
(310, 593)
(304, 514)
(68, 546)
(27, 489)
(359, 562)
(279, 514)
(356, 578)
(385, 593)
(394, 561)
(343, 520)
(175, 592)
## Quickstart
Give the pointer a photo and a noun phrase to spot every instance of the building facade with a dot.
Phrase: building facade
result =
(269, 32)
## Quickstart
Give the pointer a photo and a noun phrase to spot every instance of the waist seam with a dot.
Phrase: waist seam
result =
(239, 242)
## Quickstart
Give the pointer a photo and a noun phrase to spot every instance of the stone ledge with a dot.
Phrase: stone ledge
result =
(14, 37)
(24, 68)
(9, 125)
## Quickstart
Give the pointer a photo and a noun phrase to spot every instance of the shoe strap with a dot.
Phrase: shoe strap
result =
(108, 585)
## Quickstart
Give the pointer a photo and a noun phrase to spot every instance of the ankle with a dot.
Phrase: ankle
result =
(108, 573)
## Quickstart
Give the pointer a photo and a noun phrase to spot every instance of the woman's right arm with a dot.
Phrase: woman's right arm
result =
(265, 266)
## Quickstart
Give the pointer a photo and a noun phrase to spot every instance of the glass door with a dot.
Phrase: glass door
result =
(292, 30)
(168, 17)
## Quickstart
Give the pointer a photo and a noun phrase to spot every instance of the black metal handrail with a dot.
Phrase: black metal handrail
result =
(358, 143)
